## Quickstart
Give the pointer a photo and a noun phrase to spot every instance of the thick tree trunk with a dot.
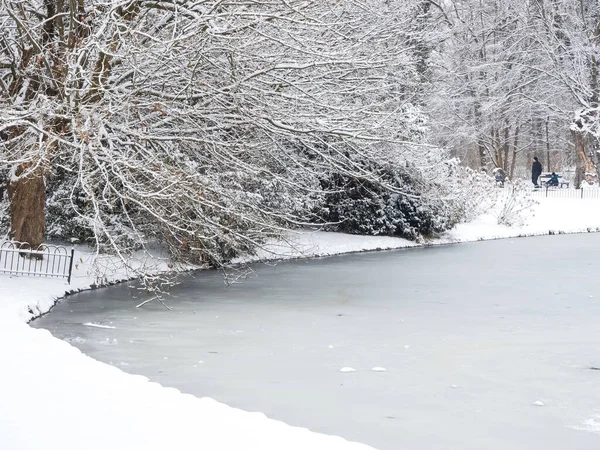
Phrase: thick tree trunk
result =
(27, 196)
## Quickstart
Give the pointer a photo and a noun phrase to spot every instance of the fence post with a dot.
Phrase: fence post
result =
(71, 264)
(546, 191)
(581, 191)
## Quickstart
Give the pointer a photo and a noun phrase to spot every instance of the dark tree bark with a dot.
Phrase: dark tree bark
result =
(514, 153)
(27, 196)
(482, 154)
(505, 146)
(579, 159)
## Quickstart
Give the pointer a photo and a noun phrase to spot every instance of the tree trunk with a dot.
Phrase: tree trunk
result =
(27, 196)
(595, 91)
(495, 145)
(505, 146)
(514, 153)
(579, 159)
(548, 165)
(482, 154)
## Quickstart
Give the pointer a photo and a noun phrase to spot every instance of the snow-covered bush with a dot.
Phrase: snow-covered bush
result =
(477, 192)
(511, 206)
(68, 215)
(405, 201)
(364, 207)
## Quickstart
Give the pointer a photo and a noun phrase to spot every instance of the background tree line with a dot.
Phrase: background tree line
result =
(516, 78)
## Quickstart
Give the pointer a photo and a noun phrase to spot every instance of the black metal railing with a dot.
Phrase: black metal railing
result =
(44, 261)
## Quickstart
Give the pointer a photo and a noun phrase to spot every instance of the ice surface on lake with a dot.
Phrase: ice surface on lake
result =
(98, 325)
(472, 337)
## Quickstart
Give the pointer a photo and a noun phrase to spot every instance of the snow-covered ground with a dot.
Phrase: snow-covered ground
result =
(54, 397)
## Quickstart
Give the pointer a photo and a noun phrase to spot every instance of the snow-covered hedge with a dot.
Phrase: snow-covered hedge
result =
(365, 207)
(405, 201)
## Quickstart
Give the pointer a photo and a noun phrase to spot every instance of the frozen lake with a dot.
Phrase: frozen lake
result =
(489, 345)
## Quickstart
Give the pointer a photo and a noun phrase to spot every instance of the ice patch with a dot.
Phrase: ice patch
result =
(538, 403)
(591, 424)
(98, 325)
(347, 369)
(378, 369)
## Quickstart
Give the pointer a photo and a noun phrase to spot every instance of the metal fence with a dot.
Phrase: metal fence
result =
(556, 192)
(44, 261)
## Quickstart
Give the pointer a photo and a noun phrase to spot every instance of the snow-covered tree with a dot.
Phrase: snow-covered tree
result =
(206, 125)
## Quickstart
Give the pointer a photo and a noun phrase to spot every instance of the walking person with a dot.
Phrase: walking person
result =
(536, 171)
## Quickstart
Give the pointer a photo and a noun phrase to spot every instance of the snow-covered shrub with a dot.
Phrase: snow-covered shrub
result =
(73, 213)
(68, 215)
(515, 200)
(422, 196)
(477, 192)
(401, 203)
(221, 215)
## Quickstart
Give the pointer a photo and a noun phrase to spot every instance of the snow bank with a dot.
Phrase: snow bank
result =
(54, 397)
(550, 216)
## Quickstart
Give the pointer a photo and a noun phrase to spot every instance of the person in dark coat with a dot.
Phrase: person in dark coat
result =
(536, 171)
